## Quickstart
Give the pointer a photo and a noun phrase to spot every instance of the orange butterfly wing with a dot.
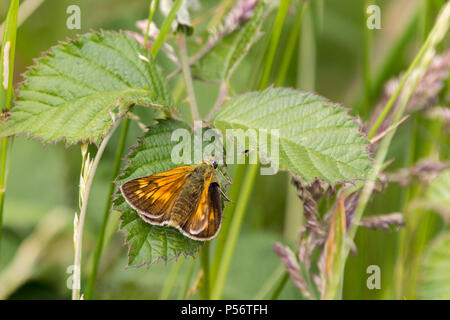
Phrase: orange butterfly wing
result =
(154, 196)
(205, 223)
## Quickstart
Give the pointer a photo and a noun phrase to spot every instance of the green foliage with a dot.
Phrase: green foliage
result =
(147, 243)
(435, 278)
(7, 53)
(220, 62)
(334, 247)
(76, 89)
(8, 46)
(437, 195)
(317, 138)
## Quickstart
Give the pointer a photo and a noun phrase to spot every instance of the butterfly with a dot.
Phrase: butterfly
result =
(187, 198)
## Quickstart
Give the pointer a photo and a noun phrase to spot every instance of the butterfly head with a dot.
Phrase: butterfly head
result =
(212, 161)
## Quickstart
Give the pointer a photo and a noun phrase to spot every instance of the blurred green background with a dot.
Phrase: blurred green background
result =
(43, 181)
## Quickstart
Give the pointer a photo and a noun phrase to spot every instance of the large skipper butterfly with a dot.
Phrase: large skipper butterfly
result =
(187, 198)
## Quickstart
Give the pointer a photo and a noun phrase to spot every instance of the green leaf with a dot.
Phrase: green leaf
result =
(434, 280)
(148, 243)
(437, 196)
(72, 92)
(220, 62)
(317, 139)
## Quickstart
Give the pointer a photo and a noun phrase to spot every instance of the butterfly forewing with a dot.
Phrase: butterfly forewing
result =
(154, 196)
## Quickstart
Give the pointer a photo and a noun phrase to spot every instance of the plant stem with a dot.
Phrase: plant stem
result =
(390, 61)
(397, 92)
(226, 223)
(26, 9)
(280, 286)
(4, 158)
(235, 228)
(293, 217)
(271, 282)
(276, 32)
(187, 281)
(205, 285)
(415, 235)
(419, 65)
(241, 206)
(290, 47)
(187, 77)
(306, 72)
(79, 230)
(117, 160)
(101, 234)
(367, 48)
(151, 11)
(165, 293)
(6, 92)
(204, 253)
(167, 24)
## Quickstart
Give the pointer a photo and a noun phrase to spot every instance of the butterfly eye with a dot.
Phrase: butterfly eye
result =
(214, 164)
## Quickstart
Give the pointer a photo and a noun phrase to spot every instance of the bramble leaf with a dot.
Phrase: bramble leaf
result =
(147, 243)
(317, 139)
(75, 90)
(220, 62)
(434, 280)
(437, 196)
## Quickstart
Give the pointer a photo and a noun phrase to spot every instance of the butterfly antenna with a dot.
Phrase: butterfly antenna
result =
(227, 176)
(225, 196)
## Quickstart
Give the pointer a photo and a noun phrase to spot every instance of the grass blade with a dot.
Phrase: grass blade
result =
(6, 90)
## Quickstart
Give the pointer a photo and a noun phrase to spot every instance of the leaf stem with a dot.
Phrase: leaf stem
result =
(181, 41)
(78, 236)
(205, 285)
(389, 64)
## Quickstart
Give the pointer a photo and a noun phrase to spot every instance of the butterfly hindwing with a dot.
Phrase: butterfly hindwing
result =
(212, 208)
(199, 219)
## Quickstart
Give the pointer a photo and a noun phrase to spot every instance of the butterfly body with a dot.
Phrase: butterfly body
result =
(187, 198)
